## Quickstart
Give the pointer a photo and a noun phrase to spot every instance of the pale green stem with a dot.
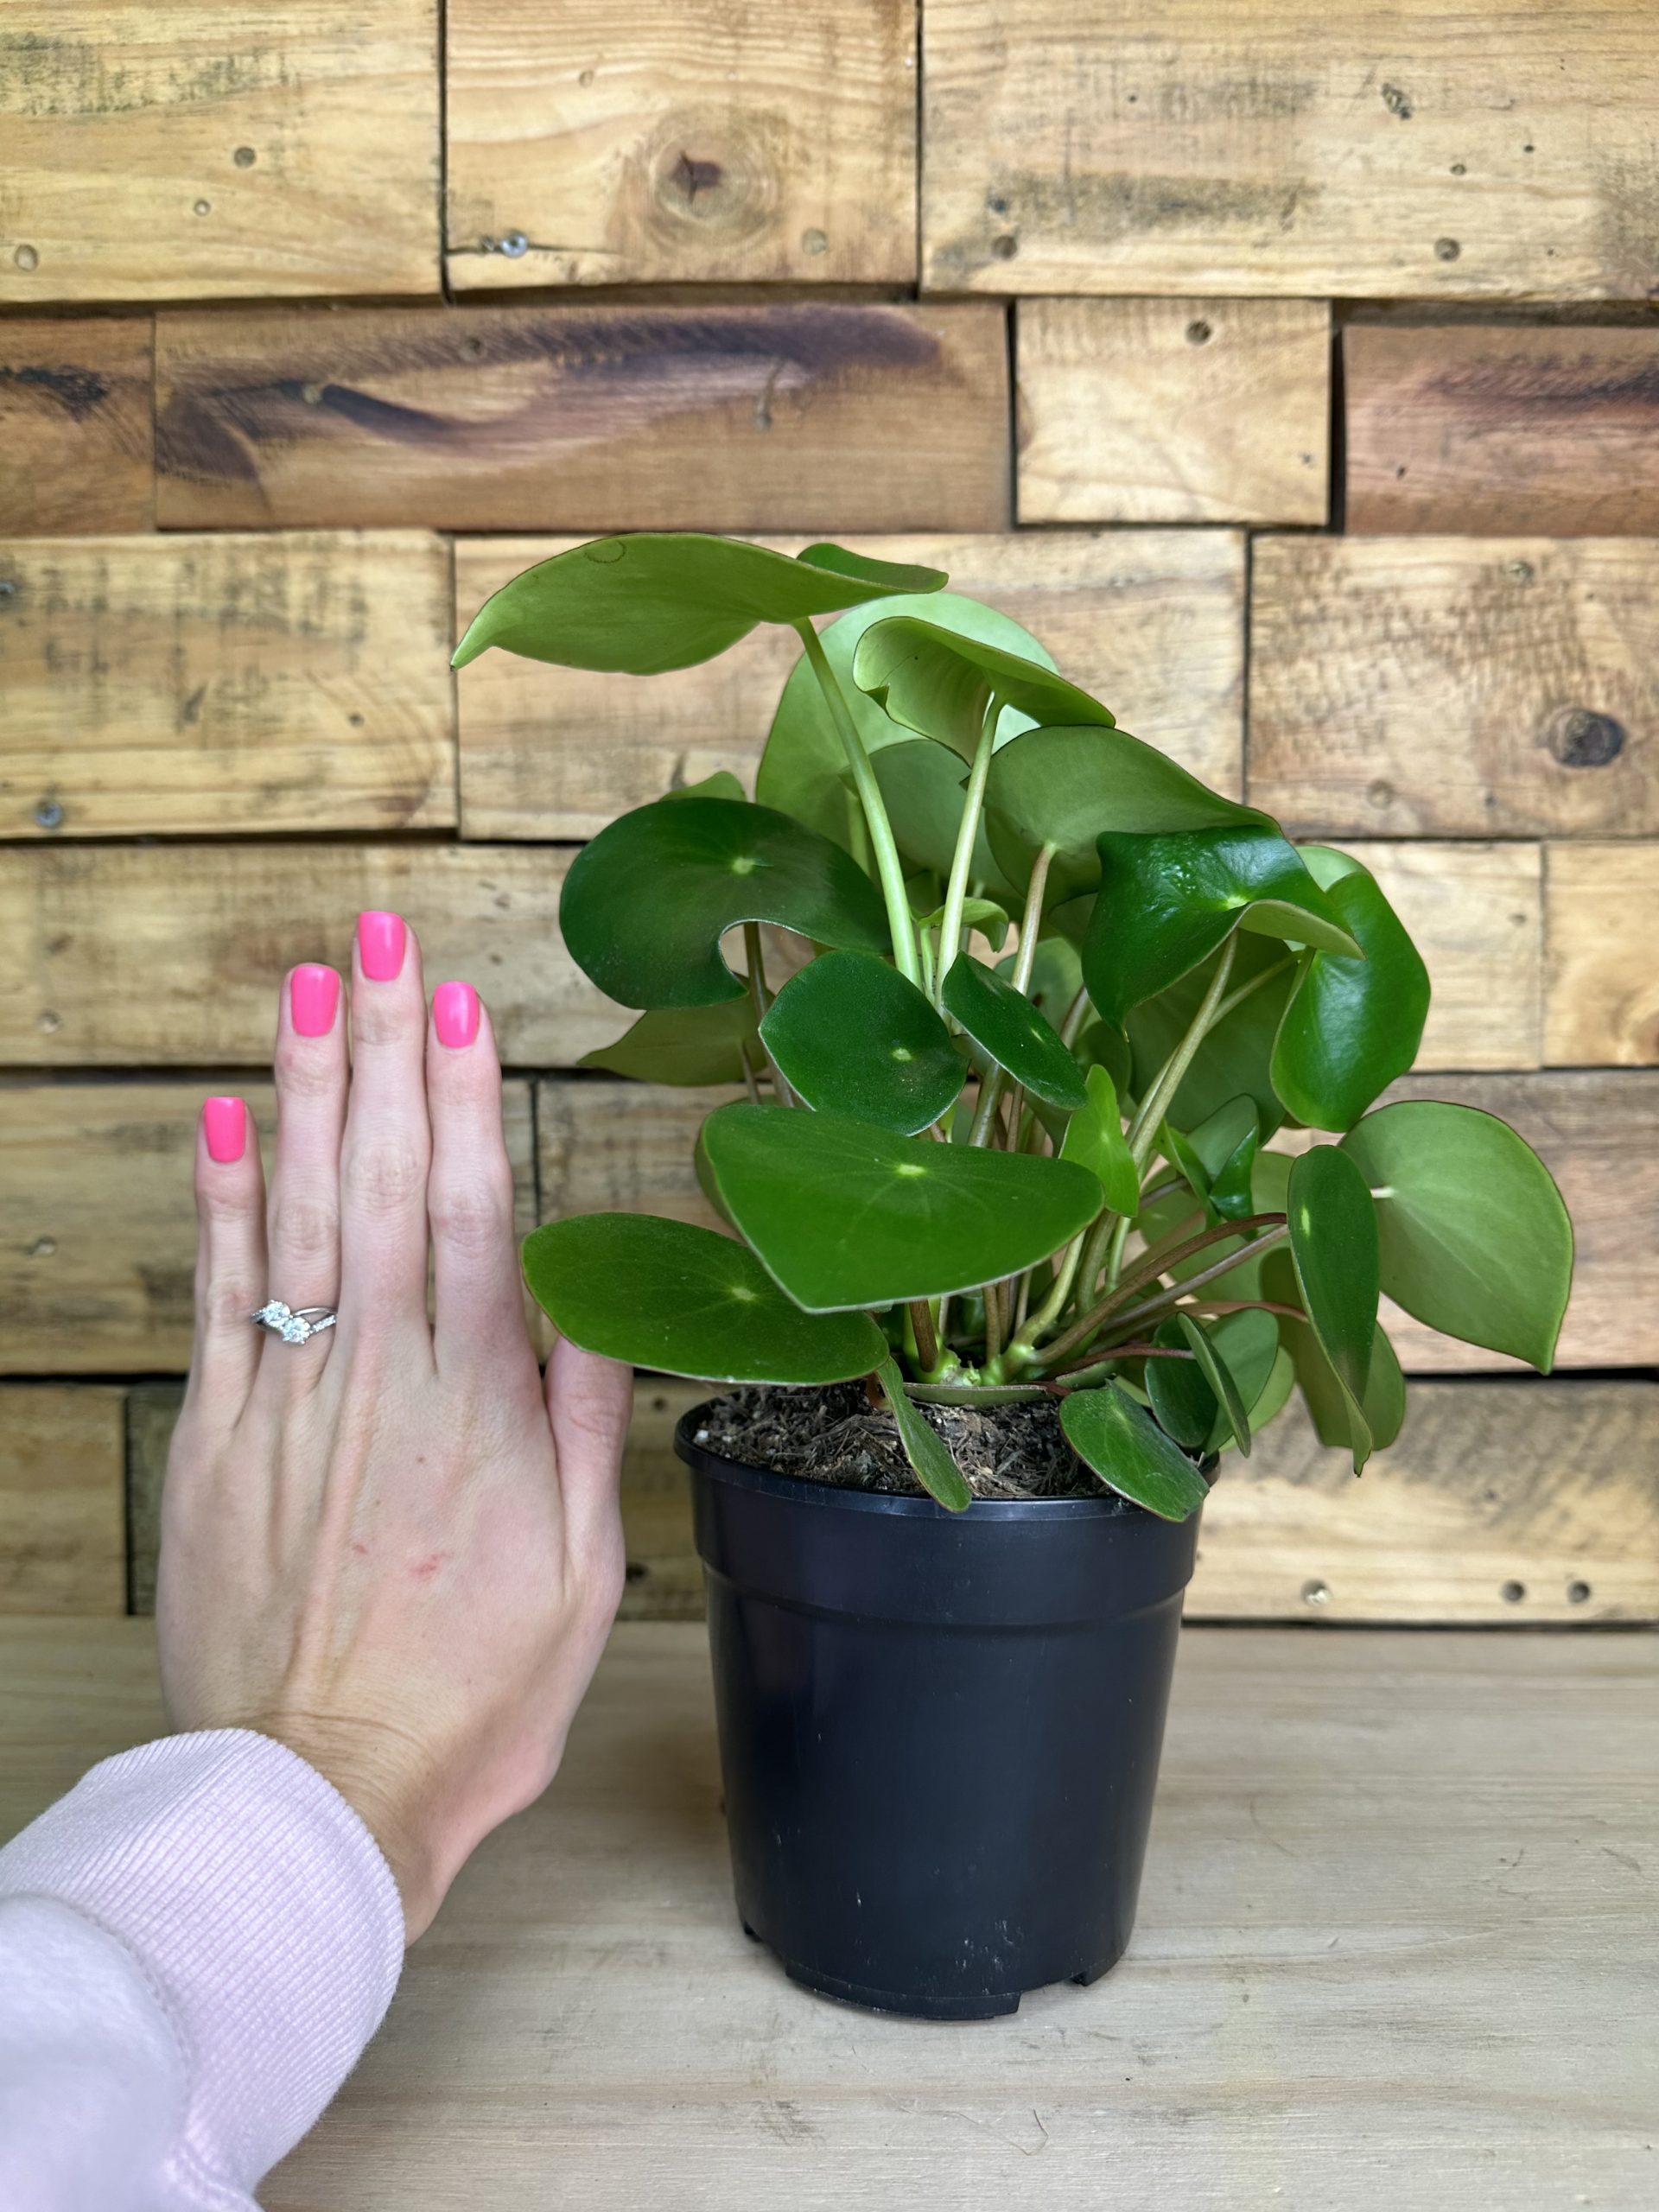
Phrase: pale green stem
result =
(1143, 1131)
(889, 867)
(1076, 1014)
(761, 999)
(1031, 921)
(962, 860)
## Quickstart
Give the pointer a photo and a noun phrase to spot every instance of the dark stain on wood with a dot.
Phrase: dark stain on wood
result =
(77, 392)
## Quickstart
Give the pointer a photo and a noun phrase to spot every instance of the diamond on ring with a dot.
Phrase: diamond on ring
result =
(293, 1327)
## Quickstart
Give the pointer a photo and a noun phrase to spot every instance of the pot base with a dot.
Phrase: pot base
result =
(992, 2005)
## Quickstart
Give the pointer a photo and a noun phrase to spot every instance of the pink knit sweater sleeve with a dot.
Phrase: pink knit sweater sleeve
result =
(195, 1944)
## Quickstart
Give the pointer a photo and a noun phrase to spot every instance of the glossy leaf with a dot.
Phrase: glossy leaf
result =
(665, 1294)
(1004, 1023)
(722, 784)
(1276, 1393)
(1237, 1055)
(1178, 1392)
(1168, 902)
(662, 600)
(1333, 1249)
(803, 769)
(1130, 1453)
(853, 1037)
(1212, 1365)
(1248, 1342)
(1352, 1026)
(1063, 787)
(979, 918)
(939, 683)
(1475, 1239)
(1102, 1044)
(921, 786)
(646, 903)
(1383, 1408)
(686, 1045)
(844, 1214)
(1093, 1138)
(925, 1449)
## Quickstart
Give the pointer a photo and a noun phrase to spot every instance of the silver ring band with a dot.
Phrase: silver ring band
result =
(294, 1325)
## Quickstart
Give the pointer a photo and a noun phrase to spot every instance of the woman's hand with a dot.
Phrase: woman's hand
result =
(392, 1546)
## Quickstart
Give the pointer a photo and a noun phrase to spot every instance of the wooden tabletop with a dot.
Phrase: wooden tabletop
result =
(1396, 1950)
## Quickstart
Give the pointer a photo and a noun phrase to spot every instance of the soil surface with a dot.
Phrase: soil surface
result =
(831, 1435)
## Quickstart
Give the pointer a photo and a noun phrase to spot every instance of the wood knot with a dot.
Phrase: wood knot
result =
(1579, 737)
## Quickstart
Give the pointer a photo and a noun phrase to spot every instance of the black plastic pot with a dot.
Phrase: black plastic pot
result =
(939, 1732)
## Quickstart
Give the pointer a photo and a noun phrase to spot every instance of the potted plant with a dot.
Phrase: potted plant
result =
(1013, 1255)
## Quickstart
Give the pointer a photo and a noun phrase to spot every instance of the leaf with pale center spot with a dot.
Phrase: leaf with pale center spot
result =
(853, 1037)
(1004, 1023)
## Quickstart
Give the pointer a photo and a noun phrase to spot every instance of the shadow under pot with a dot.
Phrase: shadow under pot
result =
(939, 1732)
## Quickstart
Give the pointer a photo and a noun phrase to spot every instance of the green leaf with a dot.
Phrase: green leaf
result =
(665, 600)
(1352, 1026)
(803, 769)
(921, 786)
(1063, 787)
(1130, 1453)
(1219, 1377)
(721, 784)
(1102, 1044)
(932, 680)
(844, 1214)
(1168, 902)
(1056, 977)
(684, 1045)
(1333, 1249)
(666, 1295)
(1249, 1342)
(646, 903)
(1236, 1057)
(1093, 1138)
(1274, 1394)
(983, 917)
(1004, 1023)
(925, 1449)
(853, 1037)
(1217, 1158)
(1177, 1391)
(1476, 1240)
(1383, 1409)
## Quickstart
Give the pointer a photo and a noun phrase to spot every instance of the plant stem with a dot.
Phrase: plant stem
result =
(962, 860)
(749, 1083)
(889, 867)
(1076, 1014)
(927, 1345)
(1031, 921)
(1167, 1300)
(1237, 998)
(963, 1394)
(993, 1330)
(1143, 1131)
(990, 1095)
(761, 999)
(1156, 1263)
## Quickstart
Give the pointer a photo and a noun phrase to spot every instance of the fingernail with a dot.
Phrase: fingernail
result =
(380, 946)
(313, 999)
(225, 1124)
(455, 1015)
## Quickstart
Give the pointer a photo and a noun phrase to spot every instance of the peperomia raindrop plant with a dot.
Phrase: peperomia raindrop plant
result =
(1008, 1125)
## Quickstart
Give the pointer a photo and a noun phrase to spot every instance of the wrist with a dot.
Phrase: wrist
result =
(383, 1780)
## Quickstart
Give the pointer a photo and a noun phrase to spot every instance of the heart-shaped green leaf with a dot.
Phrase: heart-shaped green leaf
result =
(646, 905)
(1063, 787)
(1237, 1055)
(1166, 903)
(933, 680)
(1333, 1249)
(1476, 1240)
(980, 917)
(663, 600)
(666, 1295)
(1352, 1026)
(1130, 1453)
(845, 1214)
(1004, 1023)
(925, 1449)
(1093, 1138)
(686, 1045)
(853, 1037)
(803, 769)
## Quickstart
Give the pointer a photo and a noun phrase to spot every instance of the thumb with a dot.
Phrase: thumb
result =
(589, 1400)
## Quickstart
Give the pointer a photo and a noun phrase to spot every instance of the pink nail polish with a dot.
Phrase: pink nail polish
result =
(313, 999)
(380, 946)
(225, 1124)
(455, 1015)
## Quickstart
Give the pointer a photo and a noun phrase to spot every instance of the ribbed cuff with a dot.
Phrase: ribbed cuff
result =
(260, 1908)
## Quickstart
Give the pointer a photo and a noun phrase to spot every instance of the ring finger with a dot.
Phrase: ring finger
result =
(303, 1230)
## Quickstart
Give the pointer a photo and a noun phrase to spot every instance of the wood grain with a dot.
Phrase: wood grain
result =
(97, 1224)
(1173, 410)
(124, 957)
(603, 1144)
(757, 147)
(1502, 429)
(804, 418)
(1152, 621)
(63, 1527)
(174, 151)
(76, 429)
(226, 683)
(1456, 687)
(1601, 988)
(1290, 148)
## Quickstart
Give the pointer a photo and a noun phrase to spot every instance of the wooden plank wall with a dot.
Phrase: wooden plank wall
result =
(1295, 376)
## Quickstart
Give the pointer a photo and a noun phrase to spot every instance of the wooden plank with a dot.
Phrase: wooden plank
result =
(1173, 410)
(226, 683)
(1500, 429)
(98, 1225)
(605, 1144)
(1601, 988)
(1152, 621)
(1290, 148)
(62, 1528)
(1475, 912)
(124, 957)
(169, 152)
(77, 428)
(813, 417)
(766, 147)
(1456, 687)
